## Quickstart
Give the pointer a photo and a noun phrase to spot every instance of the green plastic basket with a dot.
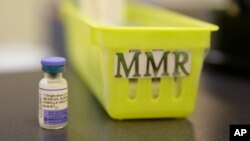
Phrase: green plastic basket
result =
(125, 66)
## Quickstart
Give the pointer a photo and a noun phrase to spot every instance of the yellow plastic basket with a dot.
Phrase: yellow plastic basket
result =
(102, 56)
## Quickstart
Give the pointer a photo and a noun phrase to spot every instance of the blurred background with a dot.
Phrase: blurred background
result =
(30, 30)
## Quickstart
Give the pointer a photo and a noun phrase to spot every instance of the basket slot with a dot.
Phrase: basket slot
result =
(132, 88)
(155, 90)
(178, 86)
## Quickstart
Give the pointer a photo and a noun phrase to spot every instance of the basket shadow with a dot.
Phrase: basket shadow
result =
(89, 121)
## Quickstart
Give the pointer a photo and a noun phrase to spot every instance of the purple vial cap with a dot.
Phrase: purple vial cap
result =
(53, 61)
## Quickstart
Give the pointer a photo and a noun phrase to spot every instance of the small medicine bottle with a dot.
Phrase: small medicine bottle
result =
(53, 94)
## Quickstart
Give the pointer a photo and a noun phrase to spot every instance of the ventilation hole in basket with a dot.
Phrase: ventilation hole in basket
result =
(177, 86)
(132, 88)
(155, 89)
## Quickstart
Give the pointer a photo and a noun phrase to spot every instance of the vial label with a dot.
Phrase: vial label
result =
(53, 105)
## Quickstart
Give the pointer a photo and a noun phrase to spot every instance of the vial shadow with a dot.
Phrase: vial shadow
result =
(52, 135)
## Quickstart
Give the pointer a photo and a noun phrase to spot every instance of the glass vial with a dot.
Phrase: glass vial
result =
(53, 94)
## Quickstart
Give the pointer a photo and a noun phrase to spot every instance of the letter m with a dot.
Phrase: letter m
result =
(122, 62)
(155, 67)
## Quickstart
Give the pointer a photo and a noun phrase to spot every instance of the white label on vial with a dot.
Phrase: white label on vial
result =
(53, 105)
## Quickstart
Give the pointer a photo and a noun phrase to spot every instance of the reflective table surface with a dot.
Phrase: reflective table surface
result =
(222, 100)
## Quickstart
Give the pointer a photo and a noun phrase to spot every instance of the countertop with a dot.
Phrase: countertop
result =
(223, 99)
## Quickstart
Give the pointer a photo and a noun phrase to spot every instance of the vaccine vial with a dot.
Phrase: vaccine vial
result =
(53, 94)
